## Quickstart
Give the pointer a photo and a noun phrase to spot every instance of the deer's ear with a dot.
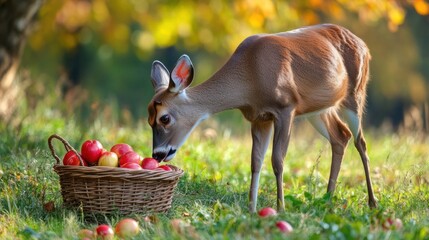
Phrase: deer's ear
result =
(160, 76)
(182, 75)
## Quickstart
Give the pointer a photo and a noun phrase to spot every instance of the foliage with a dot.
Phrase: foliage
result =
(107, 47)
(215, 26)
(212, 197)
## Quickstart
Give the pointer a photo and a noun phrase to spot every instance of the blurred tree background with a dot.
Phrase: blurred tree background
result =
(94, 56)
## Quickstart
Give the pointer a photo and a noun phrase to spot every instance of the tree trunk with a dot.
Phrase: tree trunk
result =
(16, 17)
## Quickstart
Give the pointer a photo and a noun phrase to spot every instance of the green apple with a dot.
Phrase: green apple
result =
(108, 159)
(86, 234)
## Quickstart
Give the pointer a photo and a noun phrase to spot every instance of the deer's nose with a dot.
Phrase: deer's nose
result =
(159, 156)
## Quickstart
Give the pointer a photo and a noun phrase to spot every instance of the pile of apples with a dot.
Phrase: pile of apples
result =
(120, 155)
(124, 229)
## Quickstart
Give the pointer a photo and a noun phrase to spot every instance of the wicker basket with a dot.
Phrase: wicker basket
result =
(107, 190)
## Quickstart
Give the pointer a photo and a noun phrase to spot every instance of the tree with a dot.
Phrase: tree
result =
(16, 18)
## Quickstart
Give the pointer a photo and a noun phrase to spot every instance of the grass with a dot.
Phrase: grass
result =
(212, 197)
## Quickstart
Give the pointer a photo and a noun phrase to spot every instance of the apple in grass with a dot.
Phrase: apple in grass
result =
(150, 163)
(284, 227)
(121, 148)
(71, 158)
(392, 223)
(86, 234)
(130, 157)
(397, 223)
(91, 151)
(266, 212)
(105, 232)
(127, 228)
(108, 159)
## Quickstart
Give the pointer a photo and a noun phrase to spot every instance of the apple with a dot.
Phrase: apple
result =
(91, 151)
(86, 234)
(109, 159)
(71, 158)
(165, 168)
(387, 224)
(121, 148)
(179, 225)
(150, 163)
(127, 228)
(131, 165)
(397, 223)
(130, 157)
(266, 212)
(284, 227)
(105, 232)
(392, 223)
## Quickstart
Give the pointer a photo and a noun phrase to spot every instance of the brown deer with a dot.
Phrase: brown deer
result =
(318, 72)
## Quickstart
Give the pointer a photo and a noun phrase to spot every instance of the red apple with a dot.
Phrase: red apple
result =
(284, 227)
(71, 159)
(91, 151)
(109, 159)
(387, 224)
(149, 163)
(121, 148)
(131, 165)
(86, 234)
(127, 228)
(130, 157)
(165, 168)
(392, 223)
(105, 232)
(265, 212)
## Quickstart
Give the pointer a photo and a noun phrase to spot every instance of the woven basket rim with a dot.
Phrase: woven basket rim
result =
(118, 172)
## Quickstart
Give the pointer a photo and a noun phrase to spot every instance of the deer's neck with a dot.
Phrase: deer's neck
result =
(220, 92)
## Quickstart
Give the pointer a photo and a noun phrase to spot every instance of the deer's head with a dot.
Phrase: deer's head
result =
(171, 115)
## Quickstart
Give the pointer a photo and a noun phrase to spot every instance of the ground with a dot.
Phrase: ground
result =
(211, 199)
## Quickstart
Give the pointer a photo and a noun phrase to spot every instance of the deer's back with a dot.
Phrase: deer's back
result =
(313, 67)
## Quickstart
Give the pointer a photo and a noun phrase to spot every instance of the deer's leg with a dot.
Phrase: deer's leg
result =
(282, 129)
(354, 122)
(261, 132)
(332, 128)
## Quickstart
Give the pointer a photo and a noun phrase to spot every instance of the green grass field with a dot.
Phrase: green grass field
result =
(212, 196)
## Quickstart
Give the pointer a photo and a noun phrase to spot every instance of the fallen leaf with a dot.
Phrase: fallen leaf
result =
(49, 206)
(186, 214)
(151, 219)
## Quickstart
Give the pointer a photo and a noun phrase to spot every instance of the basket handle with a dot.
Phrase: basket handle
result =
(67, 146)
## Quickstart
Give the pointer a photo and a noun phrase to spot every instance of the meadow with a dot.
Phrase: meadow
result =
(212, 197)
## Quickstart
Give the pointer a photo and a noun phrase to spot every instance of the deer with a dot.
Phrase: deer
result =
(318, 72)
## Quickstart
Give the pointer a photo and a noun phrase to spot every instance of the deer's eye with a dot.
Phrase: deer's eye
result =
(165, 119)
